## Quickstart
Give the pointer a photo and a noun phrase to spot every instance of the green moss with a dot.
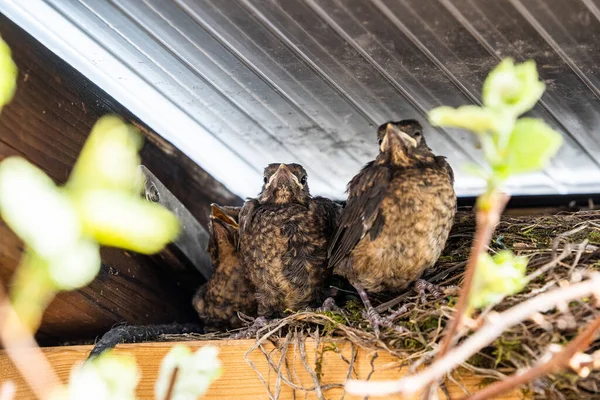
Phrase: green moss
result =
(505, 350)
(594, 236)
(410, 343)
(452, 301)
(428, 323)
(355, 311)
(319, 361)
(479, 360)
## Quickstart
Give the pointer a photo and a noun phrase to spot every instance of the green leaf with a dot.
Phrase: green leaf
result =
(196, 371)
(36, 210)
(126, 221)
(76, 267)
(475, 170)
(496, 277)
(476, 119)
(8, 74)
(531, 145)
(109, 159)
(513, 88)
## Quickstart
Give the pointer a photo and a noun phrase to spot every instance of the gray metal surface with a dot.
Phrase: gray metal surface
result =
(239, 84)
(192, 241)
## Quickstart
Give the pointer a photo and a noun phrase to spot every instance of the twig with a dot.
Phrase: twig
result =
(548, 266)
(312, 373)
(24, 352)
(556, 363)
(172, 383)
(486, 221)
(350, 365)
(495, 326)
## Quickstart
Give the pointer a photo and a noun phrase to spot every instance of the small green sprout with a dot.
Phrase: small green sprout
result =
(531, 146)
(512, 89)
(496, 277)
(195, 372)
(511, 146)
(8, 74)
(109, 376)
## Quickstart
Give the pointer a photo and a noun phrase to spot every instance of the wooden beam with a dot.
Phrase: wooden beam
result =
(48, 122)
(239, 380)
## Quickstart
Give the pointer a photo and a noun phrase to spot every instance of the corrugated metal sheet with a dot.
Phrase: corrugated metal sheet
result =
(239, 84)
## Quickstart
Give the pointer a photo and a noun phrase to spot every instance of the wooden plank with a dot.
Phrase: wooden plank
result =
(47, 122)
(239, 380)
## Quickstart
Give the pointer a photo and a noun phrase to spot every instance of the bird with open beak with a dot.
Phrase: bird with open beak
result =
(284, 236)
(397, 218)
(229, 290)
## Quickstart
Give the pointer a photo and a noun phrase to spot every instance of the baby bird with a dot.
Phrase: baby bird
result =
(397, 218)
(228, 290)
(284, 236)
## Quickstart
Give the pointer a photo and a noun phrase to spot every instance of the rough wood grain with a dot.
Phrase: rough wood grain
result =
(239, 380)
(47, 122)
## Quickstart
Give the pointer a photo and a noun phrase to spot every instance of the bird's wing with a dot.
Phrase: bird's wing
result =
(246, 214)
(442, 163)
(329, 211)
(361, 213)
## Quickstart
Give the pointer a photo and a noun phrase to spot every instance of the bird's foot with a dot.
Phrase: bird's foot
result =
(374, 317)
(438, 292)
(257, 324)
(328, 305)
(395, 314)
(377, 321)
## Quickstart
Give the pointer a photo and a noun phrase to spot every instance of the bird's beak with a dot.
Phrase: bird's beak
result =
(283, 175)
(217, 213)
(393, 135)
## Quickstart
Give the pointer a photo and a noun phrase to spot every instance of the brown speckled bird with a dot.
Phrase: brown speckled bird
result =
(229, 289)
(397, 218)
(284, 236)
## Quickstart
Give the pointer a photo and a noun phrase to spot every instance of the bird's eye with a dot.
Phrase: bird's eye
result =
(379, 141)
(303, 180)
(417, 134)
(265, 180)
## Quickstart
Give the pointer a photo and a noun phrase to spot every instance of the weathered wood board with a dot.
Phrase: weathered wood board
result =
(239, 380)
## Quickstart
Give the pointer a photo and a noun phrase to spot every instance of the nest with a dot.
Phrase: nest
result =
(561, 248)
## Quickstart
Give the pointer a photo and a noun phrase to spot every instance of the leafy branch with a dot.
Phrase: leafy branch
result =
(62, 229)
(511, 146)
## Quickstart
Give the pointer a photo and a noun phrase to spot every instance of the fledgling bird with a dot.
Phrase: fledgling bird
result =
(229, 290)
(397, 218)
(284, 236)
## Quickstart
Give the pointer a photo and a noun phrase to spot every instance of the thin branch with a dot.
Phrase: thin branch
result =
(171, 388)
(548, 266)
(313, 375)
(24, 352)
(496, 324)
(486, 221)
(559, 361)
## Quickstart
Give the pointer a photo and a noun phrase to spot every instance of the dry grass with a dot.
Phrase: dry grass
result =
(561, 248)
